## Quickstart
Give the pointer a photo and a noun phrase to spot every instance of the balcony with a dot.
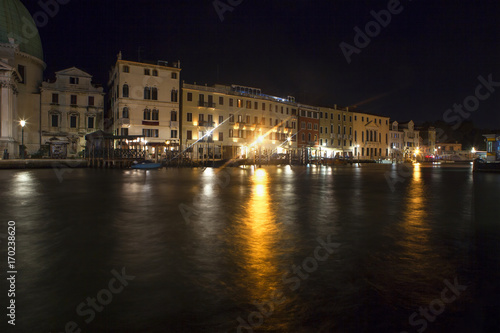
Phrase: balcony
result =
(206, 104)
(150, 123)
(123, 122)
(206, 123)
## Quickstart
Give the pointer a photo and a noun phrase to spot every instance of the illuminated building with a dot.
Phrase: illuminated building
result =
(371, 133)
(71, 107)
(228, 122)
(336, 132)
(144, 100)
(21, 74)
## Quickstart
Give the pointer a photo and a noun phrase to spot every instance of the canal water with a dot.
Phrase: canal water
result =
(376, 248)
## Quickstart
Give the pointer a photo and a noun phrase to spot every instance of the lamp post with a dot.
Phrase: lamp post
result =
(259, 140)
(357, 152)
(23, 123)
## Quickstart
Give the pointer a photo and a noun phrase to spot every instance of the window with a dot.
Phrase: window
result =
(255, 120)
(309, 137)
(124, 131)
(303, 137)
(55, 98)
(231, 133)
(155, 115)
(74, 80)
(189, 135)
(126, 69)
(256, 106)
(154, 94)
(344, 117)
(230, 102)
(90, 122)
(22, 73)
(231, 118)
(73, 121)
(174, 75)
(315, 127)
(125, 90)
(173, 134)
(339, 117)
(147, 93)
(125, 112)
(249, 104)
(147, 114)
(270, 121)
(240, 118)
(221, 100)
(147, 71)
(293, 125)
(303, 125)
(173, 95)
(350, 119)
(190, 97)
(201, 117)
(73, 100)
(189, 117)
(221, 136)
(248, 120)
(91, 100)
(221, 119)
(150, 133)
(155, 72)
(309, 126)
(263, 106)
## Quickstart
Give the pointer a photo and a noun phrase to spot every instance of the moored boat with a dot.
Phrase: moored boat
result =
(146, 165)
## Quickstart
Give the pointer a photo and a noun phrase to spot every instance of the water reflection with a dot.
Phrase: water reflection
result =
(260, 233)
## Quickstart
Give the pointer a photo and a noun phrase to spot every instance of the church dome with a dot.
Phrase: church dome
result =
(16, 22)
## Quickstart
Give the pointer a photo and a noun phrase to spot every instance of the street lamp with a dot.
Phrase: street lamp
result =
(259, 140)
(23, 123)
(357, 152)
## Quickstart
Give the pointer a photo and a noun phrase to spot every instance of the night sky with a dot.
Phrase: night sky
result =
(426, 59)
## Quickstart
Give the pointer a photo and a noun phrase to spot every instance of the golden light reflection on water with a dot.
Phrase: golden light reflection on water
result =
(259, 231)
(415, 219)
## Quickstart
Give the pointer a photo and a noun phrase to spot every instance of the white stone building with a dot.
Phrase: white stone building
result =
(71, 107)
(144, 100)
(21, 74)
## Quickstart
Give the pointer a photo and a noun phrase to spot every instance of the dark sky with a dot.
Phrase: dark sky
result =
(428, 58)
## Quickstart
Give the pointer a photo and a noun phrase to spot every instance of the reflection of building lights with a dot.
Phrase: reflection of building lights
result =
(473, 150)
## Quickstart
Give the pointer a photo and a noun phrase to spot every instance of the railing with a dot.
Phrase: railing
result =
(206, 104)
(206, 123)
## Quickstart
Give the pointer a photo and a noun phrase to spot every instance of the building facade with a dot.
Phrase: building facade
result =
(144, 101)
(371, 134)
(71, 107)
(336, 132)
(234, 121)
(21, 74)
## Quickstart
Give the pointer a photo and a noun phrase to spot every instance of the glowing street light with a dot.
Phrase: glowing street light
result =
(23, 123)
